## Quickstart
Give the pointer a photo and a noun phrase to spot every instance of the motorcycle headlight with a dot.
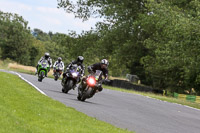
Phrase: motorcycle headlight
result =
(74, 74)
(91, 81)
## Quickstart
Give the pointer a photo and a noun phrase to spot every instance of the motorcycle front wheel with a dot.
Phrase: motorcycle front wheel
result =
(56, 76)
(68, 86)
(87, 93)
(40, 76)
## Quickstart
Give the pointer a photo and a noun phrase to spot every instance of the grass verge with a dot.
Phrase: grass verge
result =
(156, 96)
(25, 110)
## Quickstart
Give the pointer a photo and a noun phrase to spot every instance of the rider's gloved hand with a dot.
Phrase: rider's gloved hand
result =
(89, 69)
(107, 80)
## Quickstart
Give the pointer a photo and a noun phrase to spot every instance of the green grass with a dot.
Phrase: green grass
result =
(25, 110)
(156, 96)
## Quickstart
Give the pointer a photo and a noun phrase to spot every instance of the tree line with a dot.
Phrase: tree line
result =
(157, 40)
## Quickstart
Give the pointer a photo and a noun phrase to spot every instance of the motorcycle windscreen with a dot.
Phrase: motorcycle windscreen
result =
(44, 64)
(98, 75)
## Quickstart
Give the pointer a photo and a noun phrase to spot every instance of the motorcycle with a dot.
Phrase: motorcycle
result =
(92, 82)
(71, 78)
(43, 68)
(57, 71)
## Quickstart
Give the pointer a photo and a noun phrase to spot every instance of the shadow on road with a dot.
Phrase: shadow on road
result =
(71, 94)
(85, 102)
(56, 91)
(59, 91)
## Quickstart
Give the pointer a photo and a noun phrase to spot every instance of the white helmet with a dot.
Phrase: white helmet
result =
(104, 61)
(80, 59)
(46, 55)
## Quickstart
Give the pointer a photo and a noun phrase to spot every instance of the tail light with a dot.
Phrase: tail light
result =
(91, 81)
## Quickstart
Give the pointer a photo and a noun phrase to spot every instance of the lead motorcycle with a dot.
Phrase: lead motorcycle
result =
(72, 77)
(43, 68)
(57, 71)
(92, 82)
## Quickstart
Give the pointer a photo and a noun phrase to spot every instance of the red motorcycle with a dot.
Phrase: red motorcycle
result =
(92, 82)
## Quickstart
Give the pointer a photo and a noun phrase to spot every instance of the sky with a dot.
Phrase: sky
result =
(44, 15)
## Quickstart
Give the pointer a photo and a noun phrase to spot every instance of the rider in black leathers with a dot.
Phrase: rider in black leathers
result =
(103, 66)
(79, 62)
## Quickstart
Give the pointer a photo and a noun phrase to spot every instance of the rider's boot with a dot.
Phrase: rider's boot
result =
(63, 81)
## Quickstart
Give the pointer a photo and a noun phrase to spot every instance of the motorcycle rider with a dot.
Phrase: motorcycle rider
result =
(59, 61)
(102, 66)
(78, 62)
(45, 57)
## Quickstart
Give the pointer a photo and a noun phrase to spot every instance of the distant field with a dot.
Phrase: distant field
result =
(10, 65)
(18, 66)
(25, 68)
(25, 110)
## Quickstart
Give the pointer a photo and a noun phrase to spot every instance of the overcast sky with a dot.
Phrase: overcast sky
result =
(43, 14)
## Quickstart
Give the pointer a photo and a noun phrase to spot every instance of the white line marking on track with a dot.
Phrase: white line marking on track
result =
(29, 83)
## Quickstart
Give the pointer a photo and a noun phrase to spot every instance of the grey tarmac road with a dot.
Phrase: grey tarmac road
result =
(129, 111)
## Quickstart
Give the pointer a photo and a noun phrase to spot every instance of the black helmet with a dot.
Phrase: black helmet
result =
(46, 55)
(59, 59)
(80, 59)
(104, 61)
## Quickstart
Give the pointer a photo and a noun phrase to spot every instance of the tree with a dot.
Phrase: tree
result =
(158, 40)
(116, 33)
(42, 36)
(172, 36)
(16, 41)
(15, 38)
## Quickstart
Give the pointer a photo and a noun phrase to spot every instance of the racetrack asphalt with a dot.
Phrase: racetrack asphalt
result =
(124, 110)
